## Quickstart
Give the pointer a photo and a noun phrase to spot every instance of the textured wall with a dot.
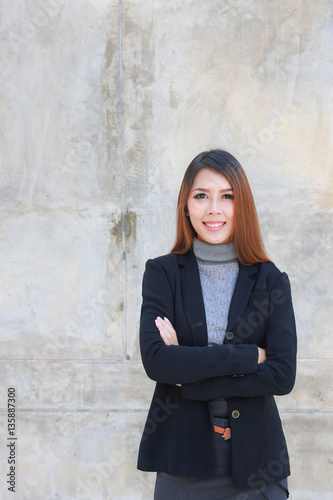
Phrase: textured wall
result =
(103, 105)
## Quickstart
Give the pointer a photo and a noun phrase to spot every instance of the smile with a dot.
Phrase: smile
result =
(214, 225)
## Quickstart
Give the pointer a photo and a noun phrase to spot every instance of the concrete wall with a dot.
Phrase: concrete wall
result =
(103, 105)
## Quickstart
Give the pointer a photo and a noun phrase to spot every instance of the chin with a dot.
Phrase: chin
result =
(216, 241)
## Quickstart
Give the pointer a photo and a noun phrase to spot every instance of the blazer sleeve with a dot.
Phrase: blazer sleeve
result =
(182, 364)
(276, 376)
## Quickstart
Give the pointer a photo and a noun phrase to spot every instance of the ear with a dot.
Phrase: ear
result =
(186, 210)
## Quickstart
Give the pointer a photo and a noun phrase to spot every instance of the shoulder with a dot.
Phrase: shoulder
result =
(169, 266)
(169, 258)
(164, 270)
(166, 265)
(169, 261)
(270, 274)
(269, 269)
(163, 261)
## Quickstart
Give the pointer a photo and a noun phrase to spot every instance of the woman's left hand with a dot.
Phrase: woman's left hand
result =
(167, 331)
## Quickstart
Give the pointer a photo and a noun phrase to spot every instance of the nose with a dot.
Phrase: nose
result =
(214, 207)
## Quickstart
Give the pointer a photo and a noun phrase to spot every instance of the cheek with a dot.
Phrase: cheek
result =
(193, 211)
(230, 212)
(193, 219)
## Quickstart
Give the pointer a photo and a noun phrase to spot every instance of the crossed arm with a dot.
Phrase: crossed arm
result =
(205, 372)
(266, 381)
(169, 337)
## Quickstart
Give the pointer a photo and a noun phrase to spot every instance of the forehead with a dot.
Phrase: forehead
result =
(210, 179)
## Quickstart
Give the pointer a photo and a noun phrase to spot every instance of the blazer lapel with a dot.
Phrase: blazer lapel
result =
(192, 298)
(243, 288)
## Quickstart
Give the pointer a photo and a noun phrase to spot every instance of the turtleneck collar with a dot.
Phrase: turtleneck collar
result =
(207, 252)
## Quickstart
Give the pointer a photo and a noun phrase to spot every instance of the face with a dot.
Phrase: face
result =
(211, 207)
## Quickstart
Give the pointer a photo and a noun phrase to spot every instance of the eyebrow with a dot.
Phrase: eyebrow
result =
(207, 190)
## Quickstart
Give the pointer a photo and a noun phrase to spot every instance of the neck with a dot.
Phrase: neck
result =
(223, 252)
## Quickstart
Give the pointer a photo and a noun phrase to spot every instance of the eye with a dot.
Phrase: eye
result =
(228, 196)
(200, 196)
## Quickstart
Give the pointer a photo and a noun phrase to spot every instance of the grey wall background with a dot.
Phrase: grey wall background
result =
(103, 105)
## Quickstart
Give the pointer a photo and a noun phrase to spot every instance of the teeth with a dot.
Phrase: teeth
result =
(215, 225)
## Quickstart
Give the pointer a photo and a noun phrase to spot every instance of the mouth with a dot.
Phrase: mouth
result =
(214, 225)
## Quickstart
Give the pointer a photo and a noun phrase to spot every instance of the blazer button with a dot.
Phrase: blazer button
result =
(235, 414)
(229, 335)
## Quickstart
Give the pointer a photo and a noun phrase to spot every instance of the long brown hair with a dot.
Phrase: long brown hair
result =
(247, 236)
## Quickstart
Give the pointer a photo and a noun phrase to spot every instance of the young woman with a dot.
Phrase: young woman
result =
(218, 336)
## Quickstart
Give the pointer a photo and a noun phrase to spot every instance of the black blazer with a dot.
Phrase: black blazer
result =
(178, 436)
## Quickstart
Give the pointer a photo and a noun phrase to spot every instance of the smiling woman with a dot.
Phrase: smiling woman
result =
(211, 207)
(217, 334)
(245, 231)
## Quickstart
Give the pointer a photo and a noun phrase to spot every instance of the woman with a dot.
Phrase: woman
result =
(218, 336)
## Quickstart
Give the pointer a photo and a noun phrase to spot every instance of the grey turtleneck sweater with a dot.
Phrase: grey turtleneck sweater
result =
(218, 268)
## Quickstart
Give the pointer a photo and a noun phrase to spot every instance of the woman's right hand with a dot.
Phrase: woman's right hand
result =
(167, 331)
(261, 355)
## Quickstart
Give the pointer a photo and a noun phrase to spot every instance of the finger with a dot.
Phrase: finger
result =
(171, 331)
(160, 324)
(167, 331)
(166, 327)
(168, 322)
(165, 339)
(168, 336)
(164, 335)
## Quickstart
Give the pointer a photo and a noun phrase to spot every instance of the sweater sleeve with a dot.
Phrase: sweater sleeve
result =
(276, 376)
(182, 364)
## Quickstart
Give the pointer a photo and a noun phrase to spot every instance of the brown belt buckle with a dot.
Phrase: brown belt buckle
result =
(225, 432)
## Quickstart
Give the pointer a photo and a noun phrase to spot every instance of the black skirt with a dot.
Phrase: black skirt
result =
(219, 487)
